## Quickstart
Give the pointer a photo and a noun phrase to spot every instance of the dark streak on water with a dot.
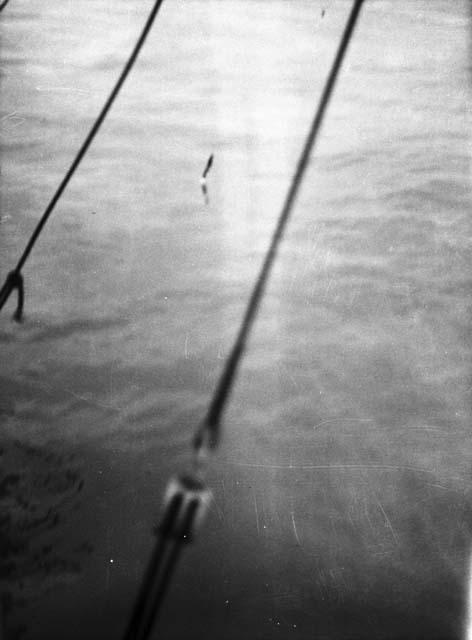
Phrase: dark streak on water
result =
(342, 490)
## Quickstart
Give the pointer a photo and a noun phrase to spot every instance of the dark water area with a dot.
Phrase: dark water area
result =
(342, 488)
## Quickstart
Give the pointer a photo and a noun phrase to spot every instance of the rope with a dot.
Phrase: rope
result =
(187, 497)
(13, 281)
(208, 432)
(186, 501)
(80, 154)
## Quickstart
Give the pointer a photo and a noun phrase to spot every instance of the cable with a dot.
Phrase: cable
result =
(208, 432)
(185, 504)
(187, 497)
(7, 287)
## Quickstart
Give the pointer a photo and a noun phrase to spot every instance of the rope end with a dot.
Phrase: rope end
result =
(14, 280)
(206, 439)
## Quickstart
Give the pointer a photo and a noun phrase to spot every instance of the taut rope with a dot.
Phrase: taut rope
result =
(187, 497)
(14, 277)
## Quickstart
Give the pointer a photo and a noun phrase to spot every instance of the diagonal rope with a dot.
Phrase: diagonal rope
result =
(208, 432)
(187, 497)
(7, 288)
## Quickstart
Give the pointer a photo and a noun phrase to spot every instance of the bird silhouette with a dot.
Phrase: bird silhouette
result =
(203, 183)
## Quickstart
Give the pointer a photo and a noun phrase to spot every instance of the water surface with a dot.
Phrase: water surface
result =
(342, 488)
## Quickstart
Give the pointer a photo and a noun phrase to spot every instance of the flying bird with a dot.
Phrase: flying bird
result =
(208, 167)
(203, 183)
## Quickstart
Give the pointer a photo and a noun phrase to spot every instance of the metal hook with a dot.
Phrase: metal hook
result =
(14, 280)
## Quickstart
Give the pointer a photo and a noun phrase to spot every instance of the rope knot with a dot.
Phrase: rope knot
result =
(14, 280)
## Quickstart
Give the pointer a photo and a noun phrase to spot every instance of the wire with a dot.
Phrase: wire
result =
(186, 502)
(187, 495)
(7, 289)
(208, 433)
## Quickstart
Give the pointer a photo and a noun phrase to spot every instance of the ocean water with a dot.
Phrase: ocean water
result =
(342, 488)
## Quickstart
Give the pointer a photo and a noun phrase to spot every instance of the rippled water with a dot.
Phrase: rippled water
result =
(342, 488)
